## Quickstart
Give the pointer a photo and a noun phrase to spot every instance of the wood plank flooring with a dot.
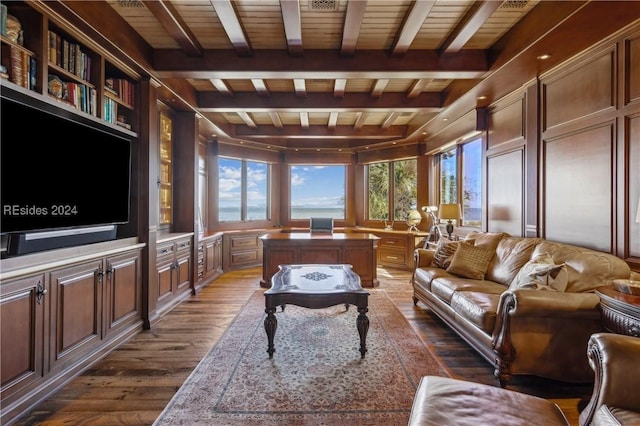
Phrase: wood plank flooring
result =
(133, 384)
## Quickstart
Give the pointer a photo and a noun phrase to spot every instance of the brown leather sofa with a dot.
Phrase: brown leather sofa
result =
(615, 400)
(526, 329)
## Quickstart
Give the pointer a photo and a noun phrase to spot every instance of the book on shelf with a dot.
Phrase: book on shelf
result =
(69, 56)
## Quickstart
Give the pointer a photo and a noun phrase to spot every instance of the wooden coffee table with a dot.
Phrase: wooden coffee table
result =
(316, 287)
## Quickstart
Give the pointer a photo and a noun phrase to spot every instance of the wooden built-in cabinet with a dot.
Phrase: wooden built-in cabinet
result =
(242, 249)
(60, 320)
(173, 267)
(209, 261)
(395, 248)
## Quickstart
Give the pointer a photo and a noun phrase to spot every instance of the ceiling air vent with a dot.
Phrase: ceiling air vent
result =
(323, 5)
(130, 3)
(514, 4)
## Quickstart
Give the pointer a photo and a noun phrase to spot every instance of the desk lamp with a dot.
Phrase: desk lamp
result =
(449, 212)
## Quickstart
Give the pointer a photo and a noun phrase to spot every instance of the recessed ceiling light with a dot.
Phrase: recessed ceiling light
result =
(445, 119)
(482, 97)
(544, 56)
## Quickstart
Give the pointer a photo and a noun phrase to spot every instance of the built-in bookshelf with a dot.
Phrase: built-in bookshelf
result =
(70, 72)
(18, 60)
(44, 56)
(119, 98)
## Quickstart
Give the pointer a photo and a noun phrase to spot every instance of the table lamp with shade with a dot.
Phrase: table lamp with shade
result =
(449, 212)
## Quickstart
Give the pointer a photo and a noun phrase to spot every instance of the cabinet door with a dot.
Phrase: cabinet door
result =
(165, 267)
(183, 270)
(24, 305)
(76, 320)
(122, 291)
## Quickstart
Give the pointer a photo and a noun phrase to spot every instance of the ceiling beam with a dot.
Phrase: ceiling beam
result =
(477, 15)
(300, 86)
(362, 117)
(339, 86)
(292, 25)
(260, 86)
(316, 101)
(417, 87)
(247, 119)
(232, 26)
(412, 23)
(333, 119)
(304, 119)
(275, 119)
(378, 87)
(173, 23)
(352, 24)
(267, 63)
(320, 131)
(221, 86)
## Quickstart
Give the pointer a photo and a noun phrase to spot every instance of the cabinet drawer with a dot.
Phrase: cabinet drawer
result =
(243, 242)
(244, 257)
(165, 249)
(391, 256)
(183, 245)
(399, 242)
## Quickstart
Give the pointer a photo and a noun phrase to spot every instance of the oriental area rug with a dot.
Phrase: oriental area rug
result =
(316, 375)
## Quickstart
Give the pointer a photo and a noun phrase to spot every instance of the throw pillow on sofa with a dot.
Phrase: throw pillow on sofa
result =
(444, 252)
(541, 273)
(470, 262)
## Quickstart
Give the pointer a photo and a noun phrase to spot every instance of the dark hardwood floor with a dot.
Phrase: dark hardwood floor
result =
(132, 385)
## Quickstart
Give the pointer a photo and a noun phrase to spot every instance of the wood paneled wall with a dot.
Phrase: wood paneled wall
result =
(567, 148)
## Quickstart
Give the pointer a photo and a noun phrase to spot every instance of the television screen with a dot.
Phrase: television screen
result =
(59, 173)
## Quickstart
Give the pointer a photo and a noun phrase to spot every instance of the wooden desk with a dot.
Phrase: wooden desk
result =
(620, 311)
(296, 248)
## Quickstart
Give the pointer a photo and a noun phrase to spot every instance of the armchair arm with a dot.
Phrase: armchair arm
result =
(614, 359)
(423, 257)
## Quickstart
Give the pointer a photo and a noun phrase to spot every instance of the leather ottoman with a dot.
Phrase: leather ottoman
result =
(443, 401)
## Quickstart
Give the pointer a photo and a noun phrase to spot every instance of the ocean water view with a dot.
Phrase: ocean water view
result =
(230, 214)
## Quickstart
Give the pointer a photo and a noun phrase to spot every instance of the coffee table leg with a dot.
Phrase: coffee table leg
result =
(270, 325)
(363, 327)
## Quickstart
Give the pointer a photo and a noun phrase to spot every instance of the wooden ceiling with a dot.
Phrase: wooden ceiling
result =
(335, 74)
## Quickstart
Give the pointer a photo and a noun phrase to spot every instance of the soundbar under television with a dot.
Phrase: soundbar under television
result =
(59, 175)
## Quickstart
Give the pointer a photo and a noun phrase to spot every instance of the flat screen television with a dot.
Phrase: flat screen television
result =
(58, 173)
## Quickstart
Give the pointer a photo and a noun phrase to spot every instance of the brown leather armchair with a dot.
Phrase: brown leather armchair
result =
(615, 359)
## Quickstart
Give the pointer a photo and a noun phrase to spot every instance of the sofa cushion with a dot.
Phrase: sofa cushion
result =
(487, 240)
(424, 276)
(445, 286)
(541, 273)
(511, 254)
(470, 261)
(477, 307)
(587, 269)
(444, 252)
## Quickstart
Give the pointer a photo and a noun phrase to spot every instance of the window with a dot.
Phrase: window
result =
(469, 192)
(449, 176)
(243, 188)
(392, 189)
(472, 183)
(317, 191)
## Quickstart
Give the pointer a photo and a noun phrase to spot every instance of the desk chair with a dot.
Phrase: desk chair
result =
(321, 225)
